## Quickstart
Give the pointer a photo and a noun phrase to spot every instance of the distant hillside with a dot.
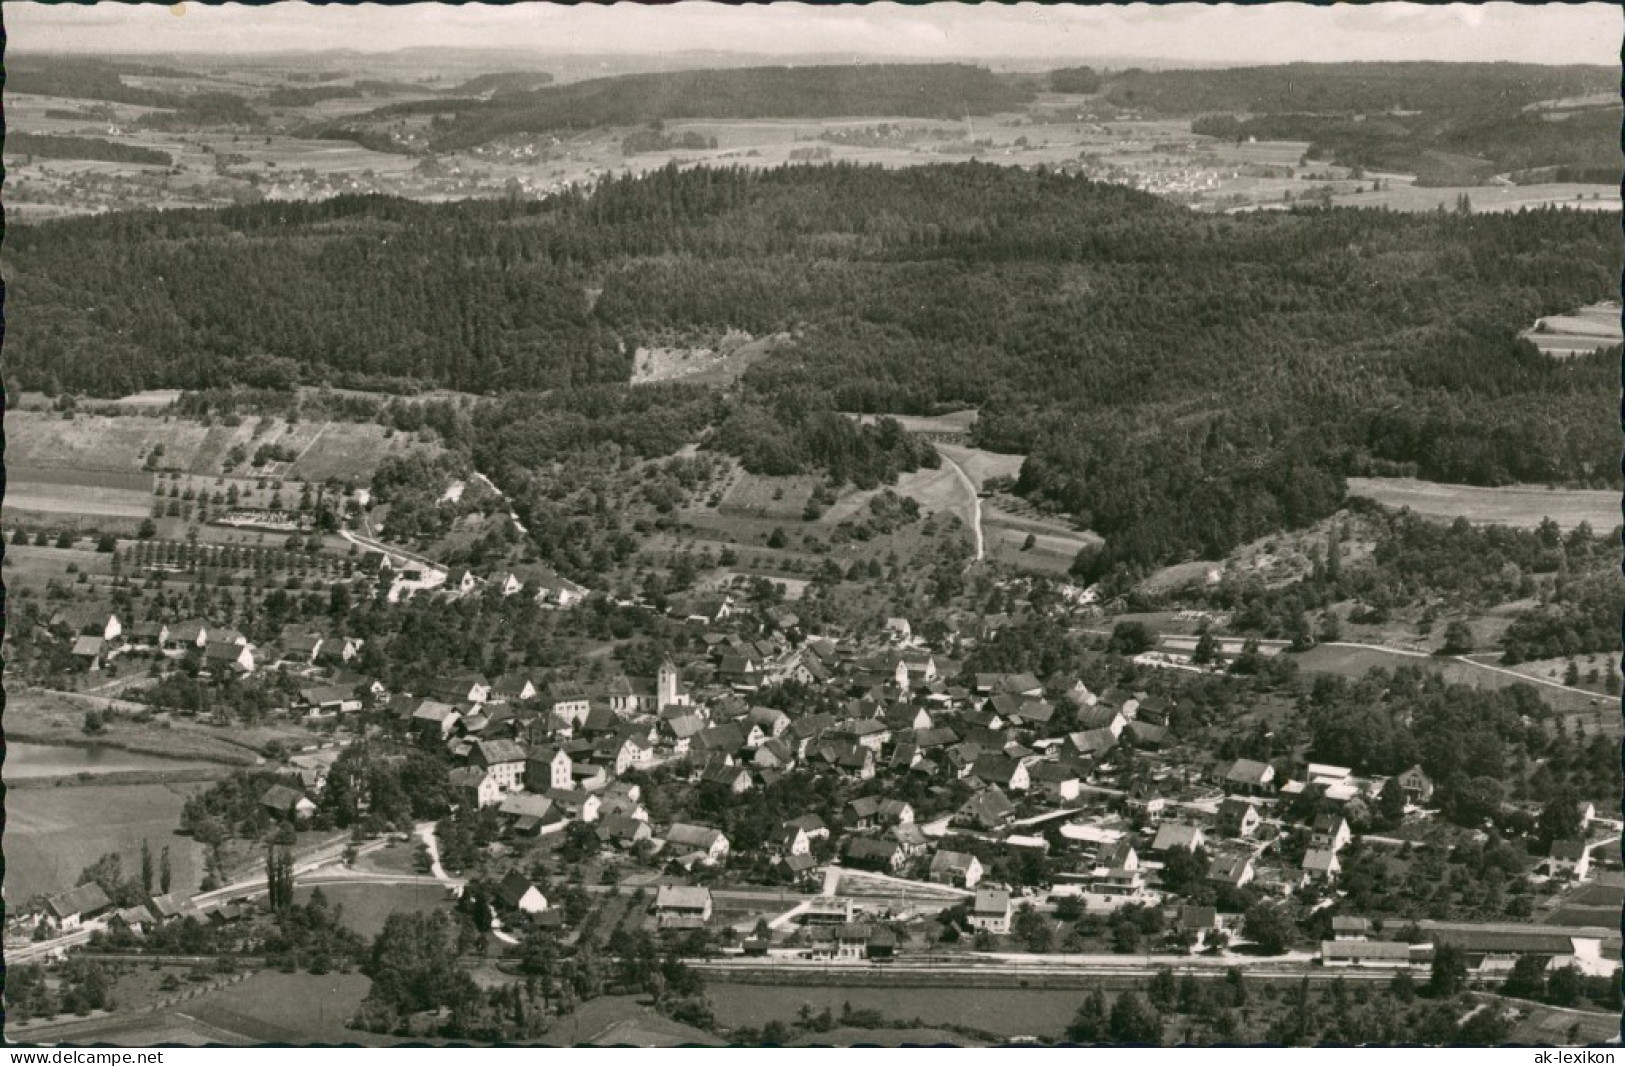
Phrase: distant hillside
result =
(50, 146)
(1447, 123)
(1354, 88)
(511, 82)
(917, 91)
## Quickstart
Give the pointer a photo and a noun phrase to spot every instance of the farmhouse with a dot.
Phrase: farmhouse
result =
(871, 854)
(78, 905)
(188, 635)
(516, 893)
(229, 655)
(991, 910)
(148, 635)
(955, 868)
(285, 802)
(548, 768)
(87, 622)
(87, 652)
(434, 719)
(1248, 776)
(1177, 835)
(1238, 817)
(328, 700)
(473, 787)
(683, 906)
(504, 760)
(708, 843)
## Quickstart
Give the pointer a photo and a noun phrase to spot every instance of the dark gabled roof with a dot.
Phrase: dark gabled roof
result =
(1568, 850)
(280, 798)
(512, 888)
(81, 900)
(870, 848)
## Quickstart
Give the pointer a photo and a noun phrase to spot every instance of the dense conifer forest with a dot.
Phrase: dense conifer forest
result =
(1180, 382)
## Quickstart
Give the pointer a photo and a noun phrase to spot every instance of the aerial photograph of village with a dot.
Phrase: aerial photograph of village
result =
(771, 526)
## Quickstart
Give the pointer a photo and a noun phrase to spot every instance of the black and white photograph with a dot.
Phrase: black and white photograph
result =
(784, 525)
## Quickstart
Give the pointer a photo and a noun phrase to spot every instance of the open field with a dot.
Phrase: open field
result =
(735, 353)
(760, 496)
(35, 440)
(979, 464)
(108, 452)
(1581, 331)
(1553, 1025)
(28, 565)
(1486, 197)
(953, 424)
(80, 492)
(1523, 505)
(1355, 662)
(53, 833)
(1554, 669)
(1005, 1011)
(58, 718)
(282, 1008)
(366, 907)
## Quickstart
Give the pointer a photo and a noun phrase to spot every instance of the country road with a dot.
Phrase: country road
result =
(975, 503)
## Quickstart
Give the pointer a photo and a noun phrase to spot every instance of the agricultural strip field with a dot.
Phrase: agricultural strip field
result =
(1523, 506)
(53, 491)
(53, 833)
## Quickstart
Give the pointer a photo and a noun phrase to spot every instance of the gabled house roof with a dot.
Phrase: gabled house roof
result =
(85, 899)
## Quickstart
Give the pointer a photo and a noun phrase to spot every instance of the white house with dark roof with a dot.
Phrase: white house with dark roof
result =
(990, 911)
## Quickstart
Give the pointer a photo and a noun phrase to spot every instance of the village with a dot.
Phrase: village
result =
(946, 815)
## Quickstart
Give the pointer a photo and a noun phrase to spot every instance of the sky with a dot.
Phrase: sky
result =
(1229, 34)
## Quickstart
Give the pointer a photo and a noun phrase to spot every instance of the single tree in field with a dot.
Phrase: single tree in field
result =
(1449, 974)
(146, 867)
(1458, 638)
(1134, 1021)
(1089, 1024)
(1559, 818)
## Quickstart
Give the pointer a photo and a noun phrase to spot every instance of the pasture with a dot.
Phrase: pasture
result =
(761, 496)
(980, 465)
(1524, 506)
(290, 1008)
(1354, 662)
(39, 441)
(1486, 197)
(53, 833)
(1556, 1026)
(58, 718)
(1004, 1011)
(368, 906)
(1581, 331)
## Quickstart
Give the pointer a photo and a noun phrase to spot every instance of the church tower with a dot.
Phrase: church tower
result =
(665, 686)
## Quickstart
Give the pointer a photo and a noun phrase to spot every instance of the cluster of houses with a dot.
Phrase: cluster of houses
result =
(88, 906)
(97, 636)
(407, 577)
